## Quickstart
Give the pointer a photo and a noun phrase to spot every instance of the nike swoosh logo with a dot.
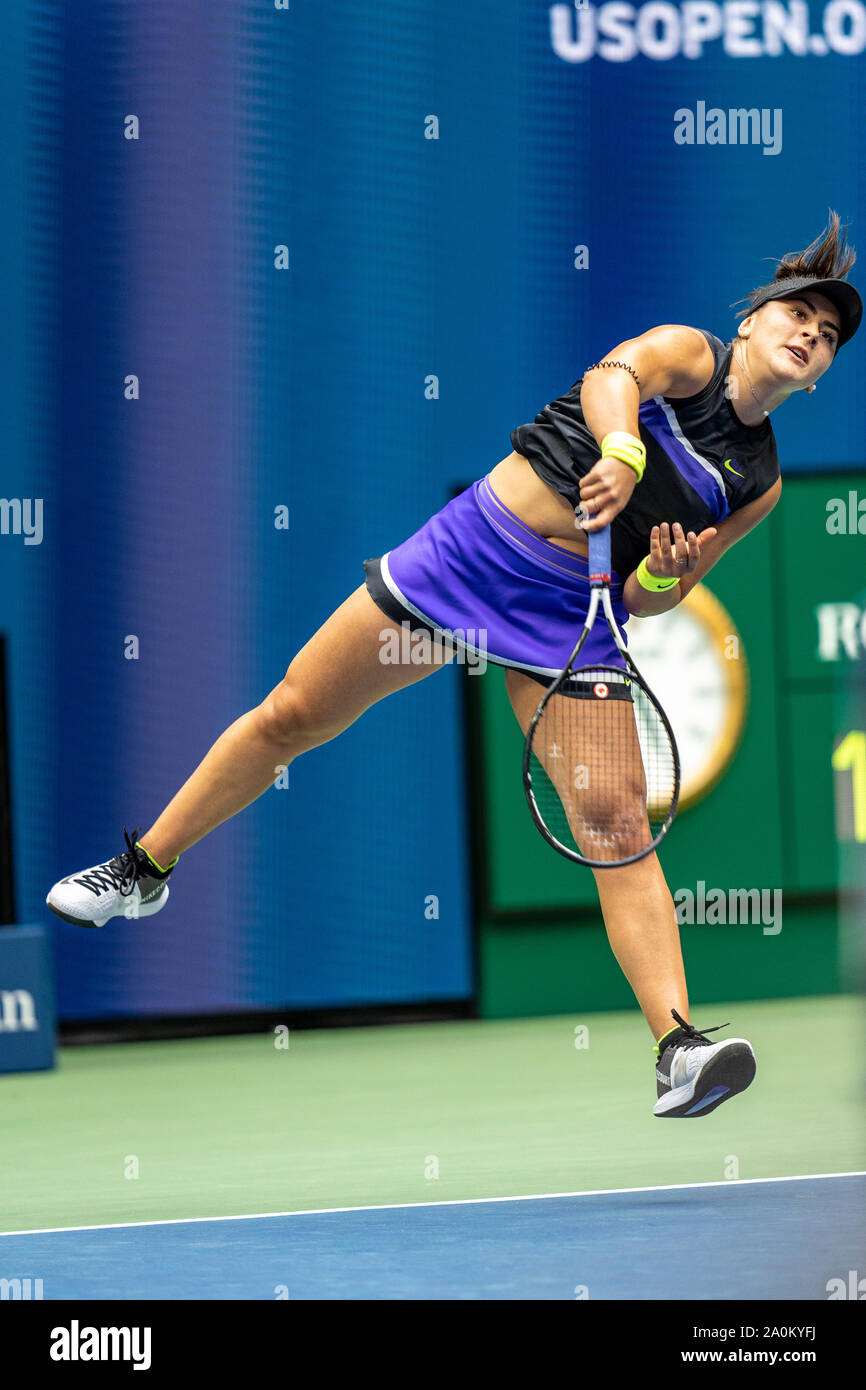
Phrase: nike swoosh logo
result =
(727, 465)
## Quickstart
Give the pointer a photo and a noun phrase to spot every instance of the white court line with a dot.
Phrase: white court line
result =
(449, 1202)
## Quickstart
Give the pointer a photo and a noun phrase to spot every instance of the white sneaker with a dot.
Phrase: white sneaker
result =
(130, 885)
(695, 1075)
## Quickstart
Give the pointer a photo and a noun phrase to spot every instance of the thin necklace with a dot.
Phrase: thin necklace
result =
(742, 364)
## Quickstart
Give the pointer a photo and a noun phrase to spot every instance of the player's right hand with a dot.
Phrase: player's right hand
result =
(604, 491)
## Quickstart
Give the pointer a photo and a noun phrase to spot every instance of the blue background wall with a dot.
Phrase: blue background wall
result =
(305, 387)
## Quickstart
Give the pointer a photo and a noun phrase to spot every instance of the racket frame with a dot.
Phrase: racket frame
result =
(599, 579)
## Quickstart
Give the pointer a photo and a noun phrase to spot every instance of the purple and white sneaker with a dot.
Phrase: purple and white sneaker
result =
(695, 1075)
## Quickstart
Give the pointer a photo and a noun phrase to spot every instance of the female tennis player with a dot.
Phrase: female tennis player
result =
(667, 439)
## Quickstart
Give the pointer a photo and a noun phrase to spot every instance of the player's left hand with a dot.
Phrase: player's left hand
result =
(604, 491)
(673, 553)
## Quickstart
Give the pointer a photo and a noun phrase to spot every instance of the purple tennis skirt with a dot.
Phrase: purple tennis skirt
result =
(476, 575)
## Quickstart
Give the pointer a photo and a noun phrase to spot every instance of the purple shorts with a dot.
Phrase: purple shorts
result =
(477, 574)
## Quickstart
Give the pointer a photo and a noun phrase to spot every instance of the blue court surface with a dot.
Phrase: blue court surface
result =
(766, 1239)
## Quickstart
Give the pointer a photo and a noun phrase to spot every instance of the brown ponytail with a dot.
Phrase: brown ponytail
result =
(827, 257)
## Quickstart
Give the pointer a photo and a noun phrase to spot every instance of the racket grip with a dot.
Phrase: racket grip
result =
(599, 556)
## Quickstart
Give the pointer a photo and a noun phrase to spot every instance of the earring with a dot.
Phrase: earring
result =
(810, 389)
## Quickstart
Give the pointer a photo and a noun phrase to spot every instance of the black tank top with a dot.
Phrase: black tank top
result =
(702, 462)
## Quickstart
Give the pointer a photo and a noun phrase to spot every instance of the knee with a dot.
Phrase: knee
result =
(615, 825)
(290, 720)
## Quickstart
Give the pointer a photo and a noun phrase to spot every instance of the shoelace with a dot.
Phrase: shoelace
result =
(122, 872)
(695, 1039)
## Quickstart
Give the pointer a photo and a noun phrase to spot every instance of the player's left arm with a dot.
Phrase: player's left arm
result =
(669, 543)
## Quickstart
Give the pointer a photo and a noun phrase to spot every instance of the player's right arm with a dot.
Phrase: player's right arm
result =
(670, 360)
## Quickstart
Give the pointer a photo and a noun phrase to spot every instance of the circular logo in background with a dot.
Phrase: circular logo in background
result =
(600, 690)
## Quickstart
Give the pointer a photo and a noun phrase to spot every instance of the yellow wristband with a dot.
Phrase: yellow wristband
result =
(651, 581)
(627, 448)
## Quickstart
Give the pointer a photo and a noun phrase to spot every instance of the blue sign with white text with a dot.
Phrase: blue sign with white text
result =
(27, 1027)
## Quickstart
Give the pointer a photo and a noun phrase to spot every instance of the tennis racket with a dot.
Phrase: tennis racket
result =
(601, 769)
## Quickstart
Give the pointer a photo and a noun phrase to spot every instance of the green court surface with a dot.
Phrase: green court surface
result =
(367, 1116)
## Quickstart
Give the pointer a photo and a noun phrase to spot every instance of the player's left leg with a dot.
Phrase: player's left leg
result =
(694, 1075)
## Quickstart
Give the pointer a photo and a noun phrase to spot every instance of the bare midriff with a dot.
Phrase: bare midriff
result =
(544, 511)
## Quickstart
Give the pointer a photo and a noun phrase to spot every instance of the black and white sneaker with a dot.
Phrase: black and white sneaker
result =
(695, 1075)
(130, 885)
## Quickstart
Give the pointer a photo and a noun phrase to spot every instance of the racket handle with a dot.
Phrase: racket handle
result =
(599, 556)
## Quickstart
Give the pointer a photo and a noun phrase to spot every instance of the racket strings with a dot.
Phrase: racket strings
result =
(603, 768)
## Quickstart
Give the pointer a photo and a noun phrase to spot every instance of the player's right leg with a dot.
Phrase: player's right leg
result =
(339, 674)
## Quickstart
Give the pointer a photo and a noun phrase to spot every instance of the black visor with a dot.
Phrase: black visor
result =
(839, 292)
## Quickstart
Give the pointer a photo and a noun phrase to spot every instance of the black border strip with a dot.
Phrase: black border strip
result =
(163, 1028)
